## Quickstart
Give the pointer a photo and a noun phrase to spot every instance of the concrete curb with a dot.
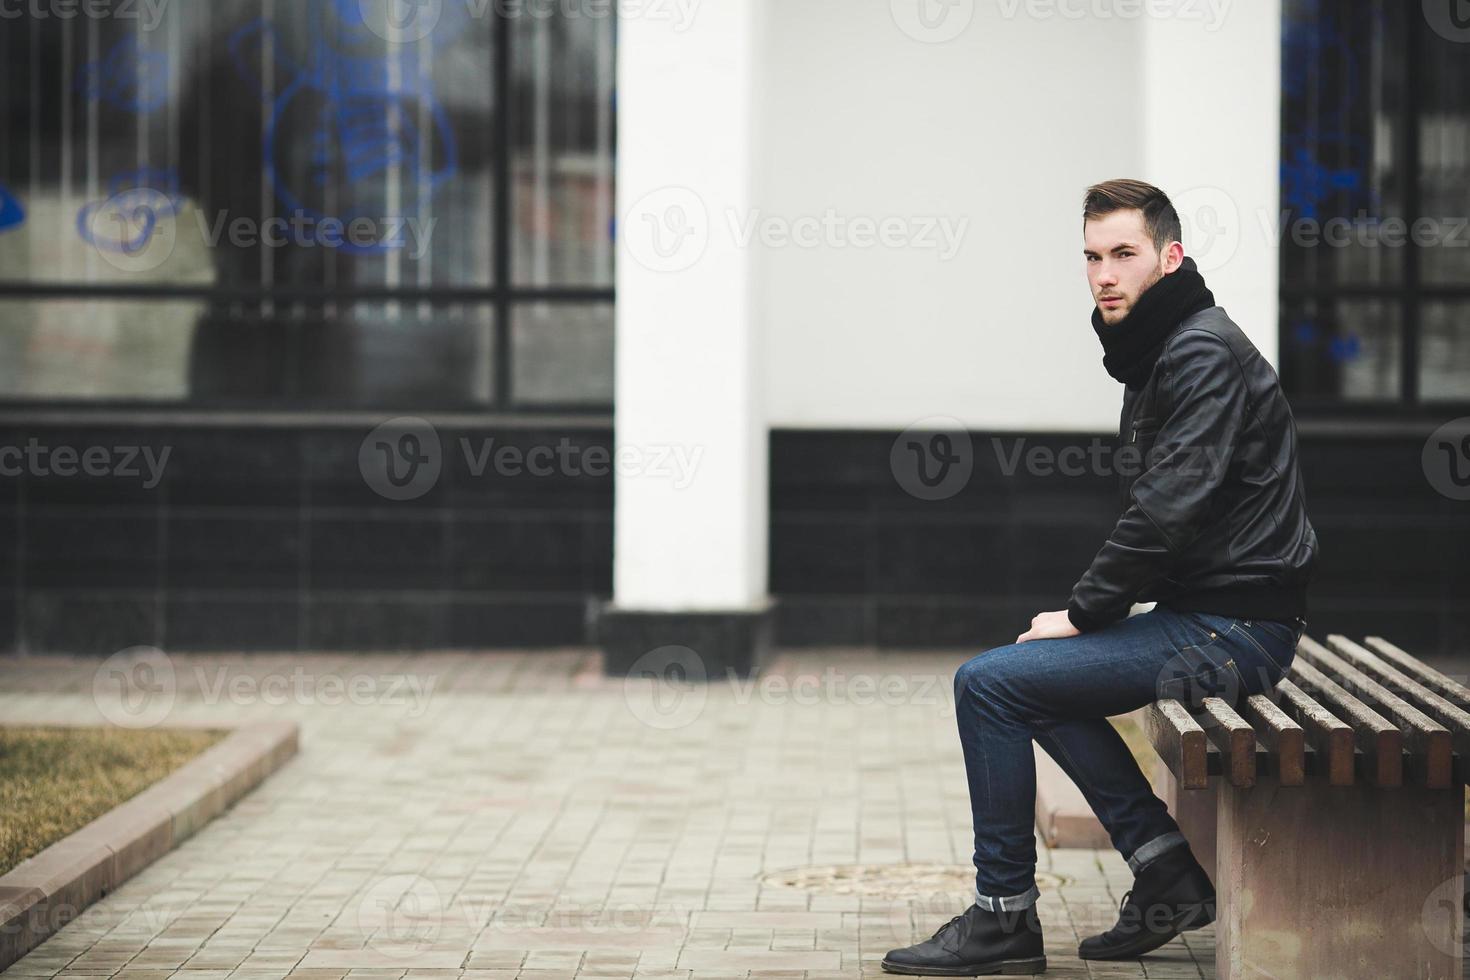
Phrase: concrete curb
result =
(1063, 815)
(44, 892)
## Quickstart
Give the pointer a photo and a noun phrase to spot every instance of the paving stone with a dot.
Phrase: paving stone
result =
(527, 818)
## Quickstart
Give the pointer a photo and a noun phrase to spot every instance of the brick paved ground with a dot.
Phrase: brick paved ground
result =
(504, 815)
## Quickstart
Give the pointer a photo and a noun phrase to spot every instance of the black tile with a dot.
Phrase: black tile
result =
(519, 621)
(233, 552)
(235, 468)
(518, 552)
(401, 469)
(9, 623)
(367, 622)
(230, 622)
(77, 548)
(809, 554)
(89, 623)
(803, 621)
(909, 623)
(935, 557)
(377, 552)
(554, 470)
(104, 466)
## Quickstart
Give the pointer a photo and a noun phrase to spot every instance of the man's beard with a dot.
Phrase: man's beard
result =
(1122, 314)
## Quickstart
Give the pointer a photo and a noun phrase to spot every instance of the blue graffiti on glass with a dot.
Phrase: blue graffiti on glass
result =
(12, 215)
(129, 77)
(1313, 48)
(126, 219)
(1345, 348)
(369, 112)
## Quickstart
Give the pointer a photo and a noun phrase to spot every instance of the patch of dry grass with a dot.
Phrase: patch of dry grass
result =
(54, 781)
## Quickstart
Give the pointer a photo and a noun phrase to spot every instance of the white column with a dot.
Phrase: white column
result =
(1212, 125)
(688, 331)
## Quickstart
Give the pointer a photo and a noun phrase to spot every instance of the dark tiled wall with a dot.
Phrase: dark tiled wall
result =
(856, 559)
(270, 538)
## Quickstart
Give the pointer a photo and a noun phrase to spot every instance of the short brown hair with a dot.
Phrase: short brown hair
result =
(1160, 220)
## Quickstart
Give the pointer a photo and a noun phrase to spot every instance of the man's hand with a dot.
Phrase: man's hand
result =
(1049, 626)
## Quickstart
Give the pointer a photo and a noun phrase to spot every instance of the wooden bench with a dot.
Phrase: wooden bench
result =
(1329, 812)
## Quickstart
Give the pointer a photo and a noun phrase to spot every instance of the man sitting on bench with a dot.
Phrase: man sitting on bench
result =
(1215, 532)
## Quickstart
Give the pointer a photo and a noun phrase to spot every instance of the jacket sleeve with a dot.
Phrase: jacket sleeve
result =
(1170, 500)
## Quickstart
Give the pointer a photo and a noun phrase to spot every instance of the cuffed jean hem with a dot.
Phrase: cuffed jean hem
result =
(1008, 903)
(1153, 849)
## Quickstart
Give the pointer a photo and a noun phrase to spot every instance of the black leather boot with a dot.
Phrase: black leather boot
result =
(1171, 894)
(975, 943)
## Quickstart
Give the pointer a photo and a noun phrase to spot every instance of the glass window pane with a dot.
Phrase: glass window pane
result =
(255, 144)
(563, 353)
(1444, 351)
(222, 354)
(562, 147)
(1342, 84)
(1345, 349)
(1444, 157)
(80, 349)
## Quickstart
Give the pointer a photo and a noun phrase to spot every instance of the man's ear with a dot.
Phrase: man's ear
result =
(1173, 257)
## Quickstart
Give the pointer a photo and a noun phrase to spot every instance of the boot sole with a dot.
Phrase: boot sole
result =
(1192, 918)
(1034, 964)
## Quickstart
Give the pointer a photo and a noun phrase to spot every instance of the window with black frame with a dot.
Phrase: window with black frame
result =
(297, 204)
(1375, 196)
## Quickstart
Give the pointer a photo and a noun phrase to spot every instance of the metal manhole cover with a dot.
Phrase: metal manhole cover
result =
(889, 880)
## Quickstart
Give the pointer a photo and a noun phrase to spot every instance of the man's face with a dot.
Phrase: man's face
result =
(1122, 261)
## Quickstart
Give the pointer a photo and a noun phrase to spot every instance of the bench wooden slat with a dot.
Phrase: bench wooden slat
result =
(1281, 735)
(1400, 682)
(1447, 687)
(1233, 736)
(1375, 734)
(1179, 741)
(1421, 733)
(1331, 739)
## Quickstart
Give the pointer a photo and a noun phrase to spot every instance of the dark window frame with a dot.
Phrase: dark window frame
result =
(1409, 293)
(502, 295)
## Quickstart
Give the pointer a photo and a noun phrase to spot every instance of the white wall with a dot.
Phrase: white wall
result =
(1002, 126)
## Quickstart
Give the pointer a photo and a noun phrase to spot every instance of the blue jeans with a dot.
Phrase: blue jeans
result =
(1060, 693)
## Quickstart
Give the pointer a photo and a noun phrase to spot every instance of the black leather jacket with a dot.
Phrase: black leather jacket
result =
(1215, 516)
